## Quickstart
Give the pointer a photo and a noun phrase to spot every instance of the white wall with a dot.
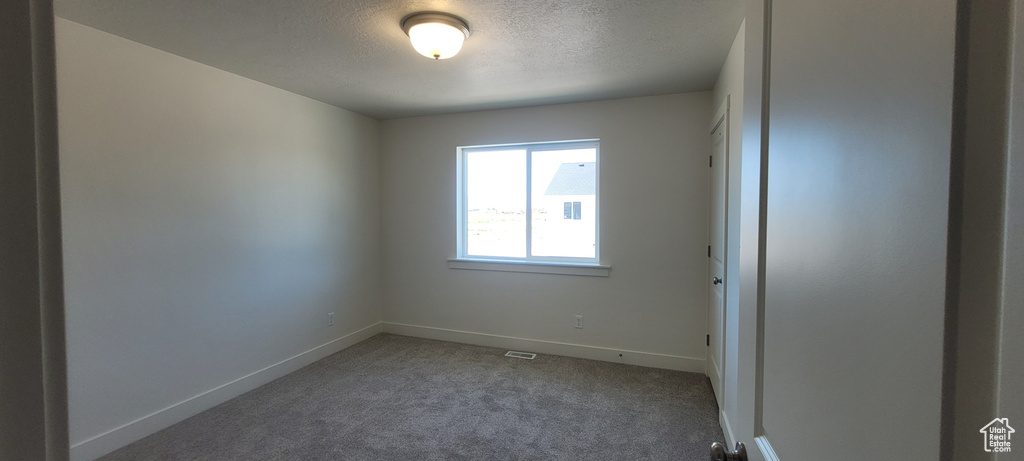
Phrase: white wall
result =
(730, 85)
(654, 202)
(1009, 378)
(858, 195)
(210, 224)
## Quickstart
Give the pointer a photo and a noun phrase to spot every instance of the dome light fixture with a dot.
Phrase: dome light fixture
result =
(436, 35)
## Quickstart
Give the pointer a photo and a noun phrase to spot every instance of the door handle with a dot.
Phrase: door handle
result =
(719, 452)
(716, 280)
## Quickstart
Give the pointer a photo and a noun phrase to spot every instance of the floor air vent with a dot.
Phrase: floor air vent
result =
(520, 355)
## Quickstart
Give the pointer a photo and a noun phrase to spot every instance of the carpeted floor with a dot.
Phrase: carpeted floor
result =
(399, 398)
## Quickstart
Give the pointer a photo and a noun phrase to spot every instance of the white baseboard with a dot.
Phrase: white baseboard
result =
(118, 437)
(730, 438)
(766, 448)
(647, 359)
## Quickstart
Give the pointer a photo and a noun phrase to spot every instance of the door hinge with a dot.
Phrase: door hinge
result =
(709, 340)
(710, 160)
(709, 251)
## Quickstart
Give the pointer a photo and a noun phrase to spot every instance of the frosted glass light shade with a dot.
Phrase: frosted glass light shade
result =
(438, 41)
(436, 35)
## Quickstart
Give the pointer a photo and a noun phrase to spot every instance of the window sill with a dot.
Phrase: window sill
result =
(535, 267)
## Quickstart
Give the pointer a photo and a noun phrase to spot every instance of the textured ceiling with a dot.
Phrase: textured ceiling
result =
(353, 54)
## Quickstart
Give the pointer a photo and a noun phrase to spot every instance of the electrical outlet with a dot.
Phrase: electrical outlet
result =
(330, 319)
(579, 321)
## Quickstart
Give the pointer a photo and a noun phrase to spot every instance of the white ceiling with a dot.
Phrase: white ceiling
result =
(353, 54)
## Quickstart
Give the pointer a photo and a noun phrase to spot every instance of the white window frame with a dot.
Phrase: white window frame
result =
(545, 264)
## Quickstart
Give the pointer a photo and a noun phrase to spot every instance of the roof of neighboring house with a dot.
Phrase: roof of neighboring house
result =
(574, 179)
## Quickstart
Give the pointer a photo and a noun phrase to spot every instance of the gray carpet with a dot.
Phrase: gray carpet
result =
(399, 398)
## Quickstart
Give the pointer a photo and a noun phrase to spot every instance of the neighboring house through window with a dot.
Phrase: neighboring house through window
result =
(574, 181)
(529, 202)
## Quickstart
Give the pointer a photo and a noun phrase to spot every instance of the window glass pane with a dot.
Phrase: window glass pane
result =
(496, 203)
(564, 199)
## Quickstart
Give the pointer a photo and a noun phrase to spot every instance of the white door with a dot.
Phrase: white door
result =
(855, 236)
(718, 160)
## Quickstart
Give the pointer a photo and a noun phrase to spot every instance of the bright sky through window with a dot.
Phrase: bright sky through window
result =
(495, 219)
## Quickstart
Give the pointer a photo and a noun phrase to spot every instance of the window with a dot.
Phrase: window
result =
(572, 210)
(529, 202)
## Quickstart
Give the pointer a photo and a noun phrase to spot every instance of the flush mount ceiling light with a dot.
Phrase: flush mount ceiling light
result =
(436, 35)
